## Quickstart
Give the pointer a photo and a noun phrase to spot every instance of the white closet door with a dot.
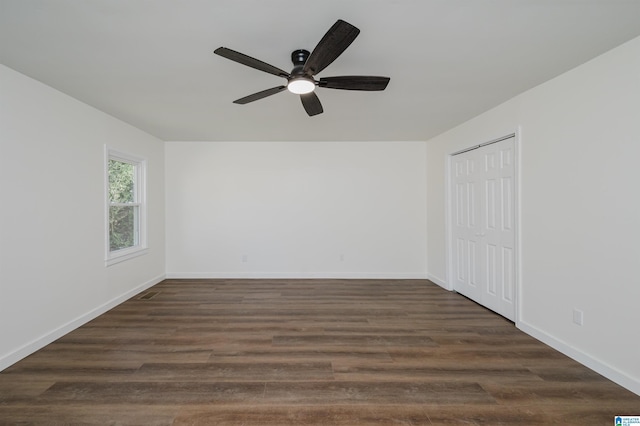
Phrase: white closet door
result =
(466, 221)
(483, 232)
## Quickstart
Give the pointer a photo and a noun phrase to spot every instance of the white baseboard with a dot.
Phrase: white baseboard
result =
(596, 365)
(60, 331)
(437, 280)
(295, 275)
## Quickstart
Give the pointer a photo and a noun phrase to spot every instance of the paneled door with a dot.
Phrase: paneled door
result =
(482, 225)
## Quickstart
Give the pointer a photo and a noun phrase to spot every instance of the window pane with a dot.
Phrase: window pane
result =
(123, 227)
(121, 182)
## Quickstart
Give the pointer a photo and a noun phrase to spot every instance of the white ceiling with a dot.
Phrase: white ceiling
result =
(150, 62)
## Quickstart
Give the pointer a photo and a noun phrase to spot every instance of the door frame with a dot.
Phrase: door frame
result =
(517, 218)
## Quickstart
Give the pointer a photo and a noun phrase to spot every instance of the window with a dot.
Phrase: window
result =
(126, 209)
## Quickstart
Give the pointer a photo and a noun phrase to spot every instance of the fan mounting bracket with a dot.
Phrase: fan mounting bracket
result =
(299, 57)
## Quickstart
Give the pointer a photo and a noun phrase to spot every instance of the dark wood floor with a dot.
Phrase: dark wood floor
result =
(298, 352)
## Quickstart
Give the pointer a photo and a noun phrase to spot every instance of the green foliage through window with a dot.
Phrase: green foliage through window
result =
(121, 183)
(123, 206)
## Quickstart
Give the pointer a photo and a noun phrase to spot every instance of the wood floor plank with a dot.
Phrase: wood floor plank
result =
(301, 415)
(356, 340)
(377, 392)
(255, 371)
(303, 352)
(154, 392)
(451, 373)
(87, 415)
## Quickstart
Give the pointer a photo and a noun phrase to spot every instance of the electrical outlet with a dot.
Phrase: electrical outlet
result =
(341, 257)
(578, 316)
(245, 258)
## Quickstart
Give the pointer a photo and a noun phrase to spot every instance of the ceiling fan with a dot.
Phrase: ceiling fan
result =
(306, 65)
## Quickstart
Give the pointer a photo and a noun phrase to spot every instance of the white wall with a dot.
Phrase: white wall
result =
(52, 270)
(293, 209)
(579, 208)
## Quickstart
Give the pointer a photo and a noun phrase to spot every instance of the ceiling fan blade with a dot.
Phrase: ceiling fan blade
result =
(250, 62)
(355, 82)
(259, 95)
(311, 104)
(334, 42)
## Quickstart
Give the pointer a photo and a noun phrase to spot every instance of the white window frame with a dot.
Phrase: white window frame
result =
(140, 195)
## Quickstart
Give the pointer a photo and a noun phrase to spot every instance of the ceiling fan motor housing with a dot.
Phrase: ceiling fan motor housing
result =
(300, 82)
(299, 57)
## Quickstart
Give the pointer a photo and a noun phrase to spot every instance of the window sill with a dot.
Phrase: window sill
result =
(125, 254)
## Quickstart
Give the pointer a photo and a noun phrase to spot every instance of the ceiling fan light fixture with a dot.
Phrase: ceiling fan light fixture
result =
(301, 85)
